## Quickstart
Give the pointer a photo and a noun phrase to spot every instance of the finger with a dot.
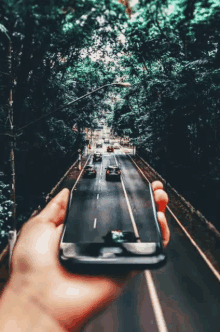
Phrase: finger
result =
(55, 211)
(56, 240)
(157, 185)
(164, 228)
(161, 199)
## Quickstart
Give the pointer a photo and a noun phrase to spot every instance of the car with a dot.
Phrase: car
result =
(97, 156)
(113, 172)
(106, 141)
(119, 236)
(99, 144)
(90, 171)
(110, 148)
(116, 146)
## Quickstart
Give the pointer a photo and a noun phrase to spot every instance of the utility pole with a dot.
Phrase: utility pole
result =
(13, 232)
(80, 159)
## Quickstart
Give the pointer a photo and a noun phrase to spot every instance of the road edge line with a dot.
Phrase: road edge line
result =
(158, 312)
(212, 268)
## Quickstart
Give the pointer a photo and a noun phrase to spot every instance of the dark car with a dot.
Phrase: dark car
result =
(113, 172)
(97, 156)
(99, 144)
(110, 148)
(90, 171)
(119, 236)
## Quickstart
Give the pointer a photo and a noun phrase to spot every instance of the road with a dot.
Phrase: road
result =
(187, 291)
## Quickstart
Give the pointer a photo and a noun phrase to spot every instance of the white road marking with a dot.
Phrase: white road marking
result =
(161, 324)
(214, 271)
(130, 212)
(97, 196)
(116, 161)
(94, 223)
(212, 268)
(71, 192)
(129, 207)
(99, 181)
(73, 188)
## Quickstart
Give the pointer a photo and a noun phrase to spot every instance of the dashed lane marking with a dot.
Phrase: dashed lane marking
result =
(161, 324)
(94, 223)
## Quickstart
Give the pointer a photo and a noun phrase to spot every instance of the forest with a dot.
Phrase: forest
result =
(52, 52)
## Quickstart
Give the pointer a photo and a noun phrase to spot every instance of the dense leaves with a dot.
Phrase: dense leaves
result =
(45, 57)
(5, 213)
(60, 50)
(172, 57)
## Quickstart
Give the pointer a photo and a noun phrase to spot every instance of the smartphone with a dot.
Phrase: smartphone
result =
(115, 249)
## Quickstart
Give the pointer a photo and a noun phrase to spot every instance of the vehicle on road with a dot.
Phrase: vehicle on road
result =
(119, 236)
(90, 171)
(110, 148)
(97, 156)
(106, 141)
(99, 144)
(113, 172)
(116, 146)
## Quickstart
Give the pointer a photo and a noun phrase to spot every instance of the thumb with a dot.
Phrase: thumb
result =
(40, 236)
(55, 211)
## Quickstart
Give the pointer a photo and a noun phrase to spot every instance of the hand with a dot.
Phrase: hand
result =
(161, 200)
(63, 300)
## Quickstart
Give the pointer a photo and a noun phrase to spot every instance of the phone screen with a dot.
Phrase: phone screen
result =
(82, 226)
(101, 233)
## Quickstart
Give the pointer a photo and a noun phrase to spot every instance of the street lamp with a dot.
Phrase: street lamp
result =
(125, 85)
(121, 84)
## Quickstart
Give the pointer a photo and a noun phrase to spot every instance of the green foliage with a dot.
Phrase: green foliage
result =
(51, 46)
(172, 58)
(168, 50)
(5, 209)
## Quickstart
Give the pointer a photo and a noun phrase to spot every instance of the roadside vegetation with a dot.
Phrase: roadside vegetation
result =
(52, 52)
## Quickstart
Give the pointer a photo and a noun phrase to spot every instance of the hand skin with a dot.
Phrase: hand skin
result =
(41, 295)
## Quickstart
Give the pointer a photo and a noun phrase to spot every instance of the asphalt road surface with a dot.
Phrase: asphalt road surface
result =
(182, 296)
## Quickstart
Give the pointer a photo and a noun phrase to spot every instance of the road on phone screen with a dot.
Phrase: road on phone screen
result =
(182, 296)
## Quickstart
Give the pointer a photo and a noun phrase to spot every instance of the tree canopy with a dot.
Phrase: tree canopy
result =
(52, 52)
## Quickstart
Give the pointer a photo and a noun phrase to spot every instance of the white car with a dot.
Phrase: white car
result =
(116, 146)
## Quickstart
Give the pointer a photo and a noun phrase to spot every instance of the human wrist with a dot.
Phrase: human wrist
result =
(20, 311)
